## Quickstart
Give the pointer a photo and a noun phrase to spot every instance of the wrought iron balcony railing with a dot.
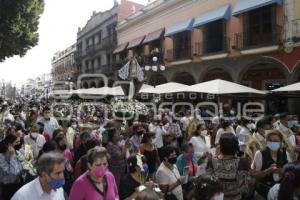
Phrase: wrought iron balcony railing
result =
(249, 39)
(212, 46)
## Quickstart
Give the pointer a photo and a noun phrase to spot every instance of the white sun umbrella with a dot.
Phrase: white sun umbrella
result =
(118, 91)
(163, 88)
(59, 92)
(289, 88)
(219, 86)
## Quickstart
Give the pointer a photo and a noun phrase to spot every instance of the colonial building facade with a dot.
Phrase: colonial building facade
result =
(64, 68)
(96, 42)
(247, 42)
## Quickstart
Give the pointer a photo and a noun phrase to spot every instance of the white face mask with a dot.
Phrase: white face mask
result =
(153, 140)
(74, 126)
(34, 135)
(204, 133)
(249, 126)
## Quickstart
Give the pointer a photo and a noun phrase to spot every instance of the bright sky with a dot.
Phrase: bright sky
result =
(58, 28)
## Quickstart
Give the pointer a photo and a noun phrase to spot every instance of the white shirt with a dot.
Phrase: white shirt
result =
(273, 193)
(238, 129)
(158, 141)
(166, 176)
(185, 123)
(243, 137)
(33, 191)
(49, 125)
(36, 145)
(221, 131)
(200, 146)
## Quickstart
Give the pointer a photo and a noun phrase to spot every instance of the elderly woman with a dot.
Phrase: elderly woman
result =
(97, 183)
(268, 163)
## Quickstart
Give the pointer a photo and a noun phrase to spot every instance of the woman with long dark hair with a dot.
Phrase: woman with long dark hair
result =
(289, 188)
(10, 167)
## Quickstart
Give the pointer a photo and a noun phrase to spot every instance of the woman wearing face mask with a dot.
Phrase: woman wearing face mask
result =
(97, 183)
(35, 140)
(201, 148)
(130, 182)
(117, 152)
(136, 139)
(186, 167)
(267, 164)
(148, 149)
(10, 167)
(208, 188)
(167, 175)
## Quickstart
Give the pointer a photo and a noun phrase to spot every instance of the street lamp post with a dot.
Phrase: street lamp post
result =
(156, 66)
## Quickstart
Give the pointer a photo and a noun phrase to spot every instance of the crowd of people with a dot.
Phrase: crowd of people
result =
(54, 154)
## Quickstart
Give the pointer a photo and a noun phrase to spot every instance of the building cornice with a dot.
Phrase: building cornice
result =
(164, 10)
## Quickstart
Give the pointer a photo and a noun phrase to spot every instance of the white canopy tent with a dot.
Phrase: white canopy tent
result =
(163, 88)
(61, 92)
(218, 86)
(114, 91)
(289, 88)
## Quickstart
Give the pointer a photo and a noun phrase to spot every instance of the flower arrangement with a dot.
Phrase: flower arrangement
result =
(129, 107)
(156, 99)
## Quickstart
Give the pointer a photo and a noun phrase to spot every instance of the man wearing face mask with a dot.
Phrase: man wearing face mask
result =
(35, 140)
(289, 138)
(268, 163)
(258, 139)
(50, 123)
(48, 185)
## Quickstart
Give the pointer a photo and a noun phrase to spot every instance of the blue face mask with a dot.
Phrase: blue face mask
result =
(219, 196)
(274, 146)
(57, 183)
(188, 157)
(145, 167)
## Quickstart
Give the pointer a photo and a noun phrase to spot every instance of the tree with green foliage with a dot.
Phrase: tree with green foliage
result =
(19, 20)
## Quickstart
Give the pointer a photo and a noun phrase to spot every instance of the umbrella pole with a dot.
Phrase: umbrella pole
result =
(219, 108)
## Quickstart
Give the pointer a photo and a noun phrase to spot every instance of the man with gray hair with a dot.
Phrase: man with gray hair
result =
(48, 184)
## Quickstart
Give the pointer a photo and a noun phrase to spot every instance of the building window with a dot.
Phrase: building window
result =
(108, 57)
(99, 61)
(100, 36)
(260, 26)
(182, 45)
(214, 37)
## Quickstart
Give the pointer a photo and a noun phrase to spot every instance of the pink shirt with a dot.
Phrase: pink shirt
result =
(82, 189)
(68, 155)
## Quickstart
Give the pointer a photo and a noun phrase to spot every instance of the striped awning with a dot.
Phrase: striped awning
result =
(136, 42)
(154, 35)
(120, 48)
